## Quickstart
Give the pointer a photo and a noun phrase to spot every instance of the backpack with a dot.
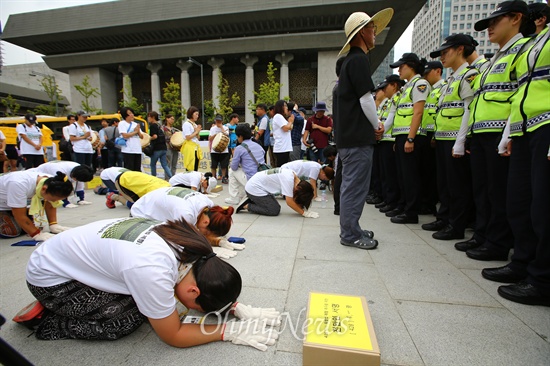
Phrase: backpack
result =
(65, 146)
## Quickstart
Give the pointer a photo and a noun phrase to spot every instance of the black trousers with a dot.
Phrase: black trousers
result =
(132, 161)
(282, 158)
(388, 173)
(337, 184)
(489, 177)
(455, 181)
(375, 181)
(529, 206)
(410, 180)
(33, 161)
(428, 172)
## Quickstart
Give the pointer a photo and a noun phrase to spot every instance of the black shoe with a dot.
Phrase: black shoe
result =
(387, 208)
(404, 219)
(394, 212)
(435, 225)
(362, 243)
(368, 234)
(502, 274)
(337, 212)
(380, 205)
(464, 246)
(486, 254)
(374, 201)
(524, 293)
(245, 201)
(425, 210)
(448, 233)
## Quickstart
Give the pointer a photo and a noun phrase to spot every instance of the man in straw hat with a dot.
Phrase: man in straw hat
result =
(358, 125)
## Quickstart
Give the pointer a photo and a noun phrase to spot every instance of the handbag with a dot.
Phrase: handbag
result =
(261, 167)
(121, 141)
(148, 150)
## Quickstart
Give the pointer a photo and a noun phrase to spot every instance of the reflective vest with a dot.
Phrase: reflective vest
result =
(405, 110)
(451, 108)
(481, 64)
(531, 104)
(387, 136)
(381, 108)
(430, 108)
(490, 107)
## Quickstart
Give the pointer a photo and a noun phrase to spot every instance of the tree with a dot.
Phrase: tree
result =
(11, 105)
(87, 92)
(171, 95)
(226, 102)
(138, 109)
(268, 92)
(49, 85)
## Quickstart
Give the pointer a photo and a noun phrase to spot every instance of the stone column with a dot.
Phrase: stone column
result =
(284, 59)
(216, 63)
(185, 84)
(126, 70)
(155, 84)
(249, 86)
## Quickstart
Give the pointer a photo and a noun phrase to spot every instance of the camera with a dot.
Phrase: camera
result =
(312, 146)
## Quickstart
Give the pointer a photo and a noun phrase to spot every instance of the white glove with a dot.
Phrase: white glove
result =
(83, 203)
(246, 312)
(224, 243)
(224, 253)
(71, 205)
(56, 228)
(212, 195)
(42, 236)
(252, 333)
(318, 199)
(310, 214)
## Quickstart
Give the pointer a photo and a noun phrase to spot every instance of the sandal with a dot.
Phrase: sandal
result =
(362, 243)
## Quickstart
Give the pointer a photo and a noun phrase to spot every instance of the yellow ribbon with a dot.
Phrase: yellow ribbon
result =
(36, 202)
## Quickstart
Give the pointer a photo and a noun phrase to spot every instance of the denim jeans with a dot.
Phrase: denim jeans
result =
(160, 154)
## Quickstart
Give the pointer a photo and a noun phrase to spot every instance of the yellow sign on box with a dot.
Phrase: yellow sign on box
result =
(337, 320)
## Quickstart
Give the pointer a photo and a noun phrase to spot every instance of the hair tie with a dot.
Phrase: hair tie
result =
(225, 207)
(65, 178)
(208, 256)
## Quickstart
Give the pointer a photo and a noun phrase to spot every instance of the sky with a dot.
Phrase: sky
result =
(14, 55)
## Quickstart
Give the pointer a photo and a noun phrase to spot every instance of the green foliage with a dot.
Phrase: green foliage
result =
(138, 109)
(11, 105)
(49, 85)
(171, 103)
(268, 92)
(226, 102)
(87, 92)
(46, 110)
(209, 111)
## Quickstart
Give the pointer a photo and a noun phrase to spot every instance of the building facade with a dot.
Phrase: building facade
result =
(384, 68)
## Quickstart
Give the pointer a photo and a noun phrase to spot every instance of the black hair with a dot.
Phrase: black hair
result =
(418, 67)
(69, 116)
(339, 64)
(167, 116)
(124, 112)
(82, 173)
(58, 185)
(468, 50)
(208, 175)
(329, 151)
(233, 115)
(243, 129)
(290, 105)
(329, 172)
(303, 194)
(153, 115)
(271, 107)
(262, 106)
(280, 107)
(190, 111)
(219, 282)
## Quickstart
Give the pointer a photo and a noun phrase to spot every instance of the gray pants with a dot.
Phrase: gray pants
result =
(356, 172)
(263, 205)
(172, 158)
(296, 153)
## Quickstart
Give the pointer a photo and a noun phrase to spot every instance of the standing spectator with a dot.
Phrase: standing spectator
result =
(318, 129)
(281, 133)
(130, 130)
(296, 133)
(219, 158)
(81, 137)
(262, 126)
(114, 151)
(172, 154)
(232, 125)
(158, 140)
(191, 149)
(68, 153)
(303, 147)
(30, 142)
(103, 140)
(358, 124)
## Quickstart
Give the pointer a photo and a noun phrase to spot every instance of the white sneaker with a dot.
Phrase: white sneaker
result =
(83, 203)
(232, 201)
(71, 205)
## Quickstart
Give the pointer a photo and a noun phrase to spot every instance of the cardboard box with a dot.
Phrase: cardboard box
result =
(339, 331)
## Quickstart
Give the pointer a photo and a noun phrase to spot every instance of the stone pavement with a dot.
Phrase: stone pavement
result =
(428, 302)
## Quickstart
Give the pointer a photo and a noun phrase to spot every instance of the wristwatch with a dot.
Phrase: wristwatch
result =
(410, 139)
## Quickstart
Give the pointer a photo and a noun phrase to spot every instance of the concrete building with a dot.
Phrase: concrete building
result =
(384, 68)
(149, 45)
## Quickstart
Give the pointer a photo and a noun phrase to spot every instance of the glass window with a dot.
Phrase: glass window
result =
(455, 8)
(469, 26)
(478, 7)
(463, 8)
(469, 17)
(454, 26)
(482, 43)
(462, 17)
(462, 26)
(476, 16)
(492, 6)
(470, 7)
(455, 17)
(484, 6)
(475, 34)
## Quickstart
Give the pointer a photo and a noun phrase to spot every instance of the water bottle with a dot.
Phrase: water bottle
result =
(323, 198)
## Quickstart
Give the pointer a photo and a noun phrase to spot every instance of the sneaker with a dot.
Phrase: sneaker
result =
(232, 201)
(225, 180)
(363, 243)
(82, 202)
(109, 195)
(31, 315)
(71, 205)
(110, 203)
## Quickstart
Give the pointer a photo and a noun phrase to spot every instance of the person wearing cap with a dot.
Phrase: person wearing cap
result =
(475, 60)
(219, 158)
(197, 181)
(410, 138)
(489, 112)
(453, 170)
(30, 141)
(132, 185)
(540, 14)
(81, 136)
(528, 180)
(131, 131)
(101, 281)
(318, 129)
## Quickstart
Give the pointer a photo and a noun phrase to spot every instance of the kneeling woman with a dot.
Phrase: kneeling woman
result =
(175, 203)
(263, 186)
(133, 185)
(197, 181)
(45, 192)
(102, 280)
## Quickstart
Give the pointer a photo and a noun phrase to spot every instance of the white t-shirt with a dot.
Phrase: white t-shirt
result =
(65, 167)
(83, 146)
(112, 173)
(18, 187)
(2, 136)
(190, 179)
(273, 181)
(140, 264)
(283, 141)
(171, 203)
(133, 144)
(66, 133)
(214, 130)
(33, 133)
(188, 128)
(304, 169)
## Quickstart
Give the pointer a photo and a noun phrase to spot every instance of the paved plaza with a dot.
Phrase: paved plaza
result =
(428, 302)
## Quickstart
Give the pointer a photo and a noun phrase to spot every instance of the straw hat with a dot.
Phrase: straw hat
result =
(358, 20)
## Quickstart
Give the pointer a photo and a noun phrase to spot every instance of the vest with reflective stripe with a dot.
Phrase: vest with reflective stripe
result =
(387, 136)
(481, 64)
(490, 107)
(531, 104)
(451, 108)
(430, 109)
(405, 110)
